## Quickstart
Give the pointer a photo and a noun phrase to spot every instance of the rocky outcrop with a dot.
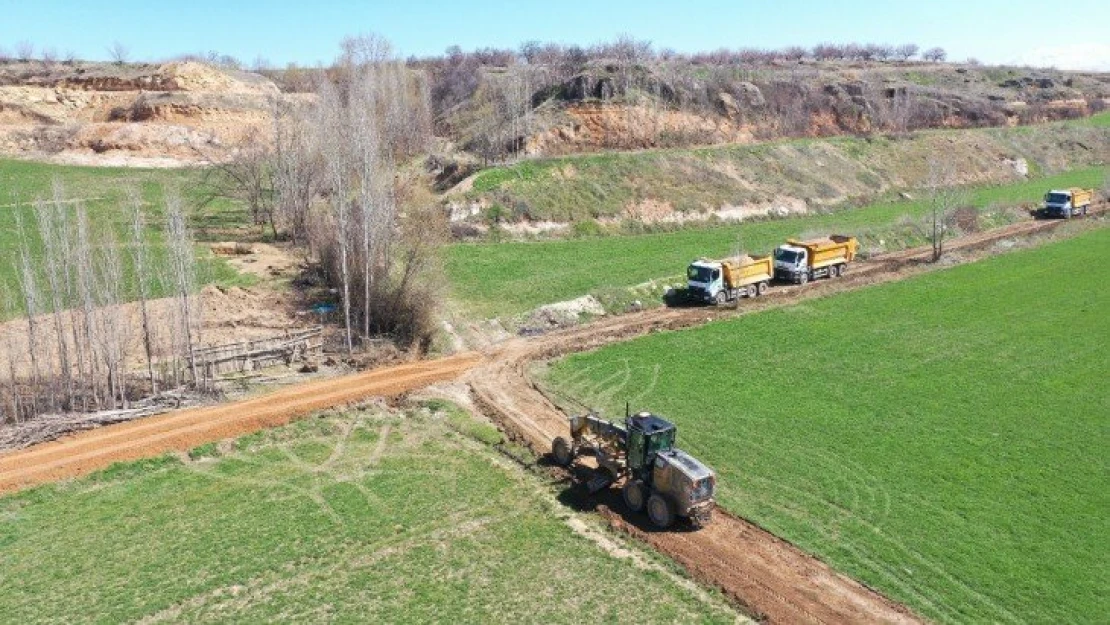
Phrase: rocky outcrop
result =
(183, 111)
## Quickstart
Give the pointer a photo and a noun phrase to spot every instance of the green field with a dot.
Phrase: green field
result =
(943, 439)
(103, 191)
(355, 517)
(493, 279)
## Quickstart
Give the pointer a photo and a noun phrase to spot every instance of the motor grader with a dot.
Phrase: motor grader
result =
(658, 476)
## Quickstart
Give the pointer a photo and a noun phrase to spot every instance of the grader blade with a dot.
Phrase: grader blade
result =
(600, 481)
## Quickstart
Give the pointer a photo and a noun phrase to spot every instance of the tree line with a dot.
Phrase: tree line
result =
(75, 278)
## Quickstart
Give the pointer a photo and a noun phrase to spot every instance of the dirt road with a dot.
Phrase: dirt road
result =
(180, 431)
(770, 576)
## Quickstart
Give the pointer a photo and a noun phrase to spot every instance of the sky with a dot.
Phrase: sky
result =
(1069, 34)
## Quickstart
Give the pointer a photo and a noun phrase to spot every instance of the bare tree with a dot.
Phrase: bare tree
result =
(906, 51)
(183, 274)
(84, 279)
(24, 51)
(247, 178)
(118, 53)
(48, 56)
(944, 198)
(141, 267)
(338, 178)
(32, 298)
(935, 55)
(50, 219)
(884, 52)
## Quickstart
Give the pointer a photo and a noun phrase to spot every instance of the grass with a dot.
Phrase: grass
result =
(354, 517)
(103, 190)
(942, 439)
(826, 171)
(492, 279)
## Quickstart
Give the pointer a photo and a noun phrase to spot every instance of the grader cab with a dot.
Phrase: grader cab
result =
(657, 476)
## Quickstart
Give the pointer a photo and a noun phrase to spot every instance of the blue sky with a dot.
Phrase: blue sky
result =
(995, 31)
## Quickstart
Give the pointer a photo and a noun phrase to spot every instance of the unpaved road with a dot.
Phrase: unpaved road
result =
(183, 430)
(771, 577)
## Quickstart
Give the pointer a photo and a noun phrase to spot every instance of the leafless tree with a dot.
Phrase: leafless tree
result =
(28, 282)
(48, 56)
(882, 51)
(51, 223)
(118, 53)
(85, 290)
(247, 178)
(944, 198)
(24, 51)
(338, 178)
(935, 55)
(141, 266)
(69, 57)
(906, 51)
(182, 264)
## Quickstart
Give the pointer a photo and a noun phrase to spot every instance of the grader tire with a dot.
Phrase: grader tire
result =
(633, 494)
(660, 512)
(562, 452)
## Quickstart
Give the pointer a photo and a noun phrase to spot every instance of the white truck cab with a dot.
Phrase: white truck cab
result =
(705, 281)
(791, 263)
(1065, 203)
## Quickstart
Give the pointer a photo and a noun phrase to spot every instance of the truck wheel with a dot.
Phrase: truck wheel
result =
(562, 452)
(761, 289)
(803, 278)
(659, 511)
(834, 271)
(633, 494)
(751, 291)
(840, 269)
(720, 298)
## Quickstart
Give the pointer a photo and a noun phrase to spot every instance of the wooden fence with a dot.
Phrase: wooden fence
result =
(245, 356)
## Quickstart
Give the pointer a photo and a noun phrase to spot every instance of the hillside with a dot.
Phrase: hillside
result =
(776, 178)
(605, 104)
(138, 114)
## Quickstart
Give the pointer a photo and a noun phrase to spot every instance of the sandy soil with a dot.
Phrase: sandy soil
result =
(228, 315)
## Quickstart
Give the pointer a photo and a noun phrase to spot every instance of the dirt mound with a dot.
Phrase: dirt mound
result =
(192, 76)
(187, 111)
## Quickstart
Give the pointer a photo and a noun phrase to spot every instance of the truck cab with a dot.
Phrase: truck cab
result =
(1061, 203)
(792, 264)
(705, 282)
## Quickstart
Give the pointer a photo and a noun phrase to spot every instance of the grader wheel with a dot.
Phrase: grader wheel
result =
(633, 494)
(562, 452)
(660, 512)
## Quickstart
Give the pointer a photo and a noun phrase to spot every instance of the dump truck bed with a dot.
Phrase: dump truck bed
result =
(832, 250)
(1081, 197)
(747, 270)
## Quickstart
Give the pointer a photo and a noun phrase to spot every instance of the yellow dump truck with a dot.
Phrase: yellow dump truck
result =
(718, 282)
(1065, 203)
(802, 261)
